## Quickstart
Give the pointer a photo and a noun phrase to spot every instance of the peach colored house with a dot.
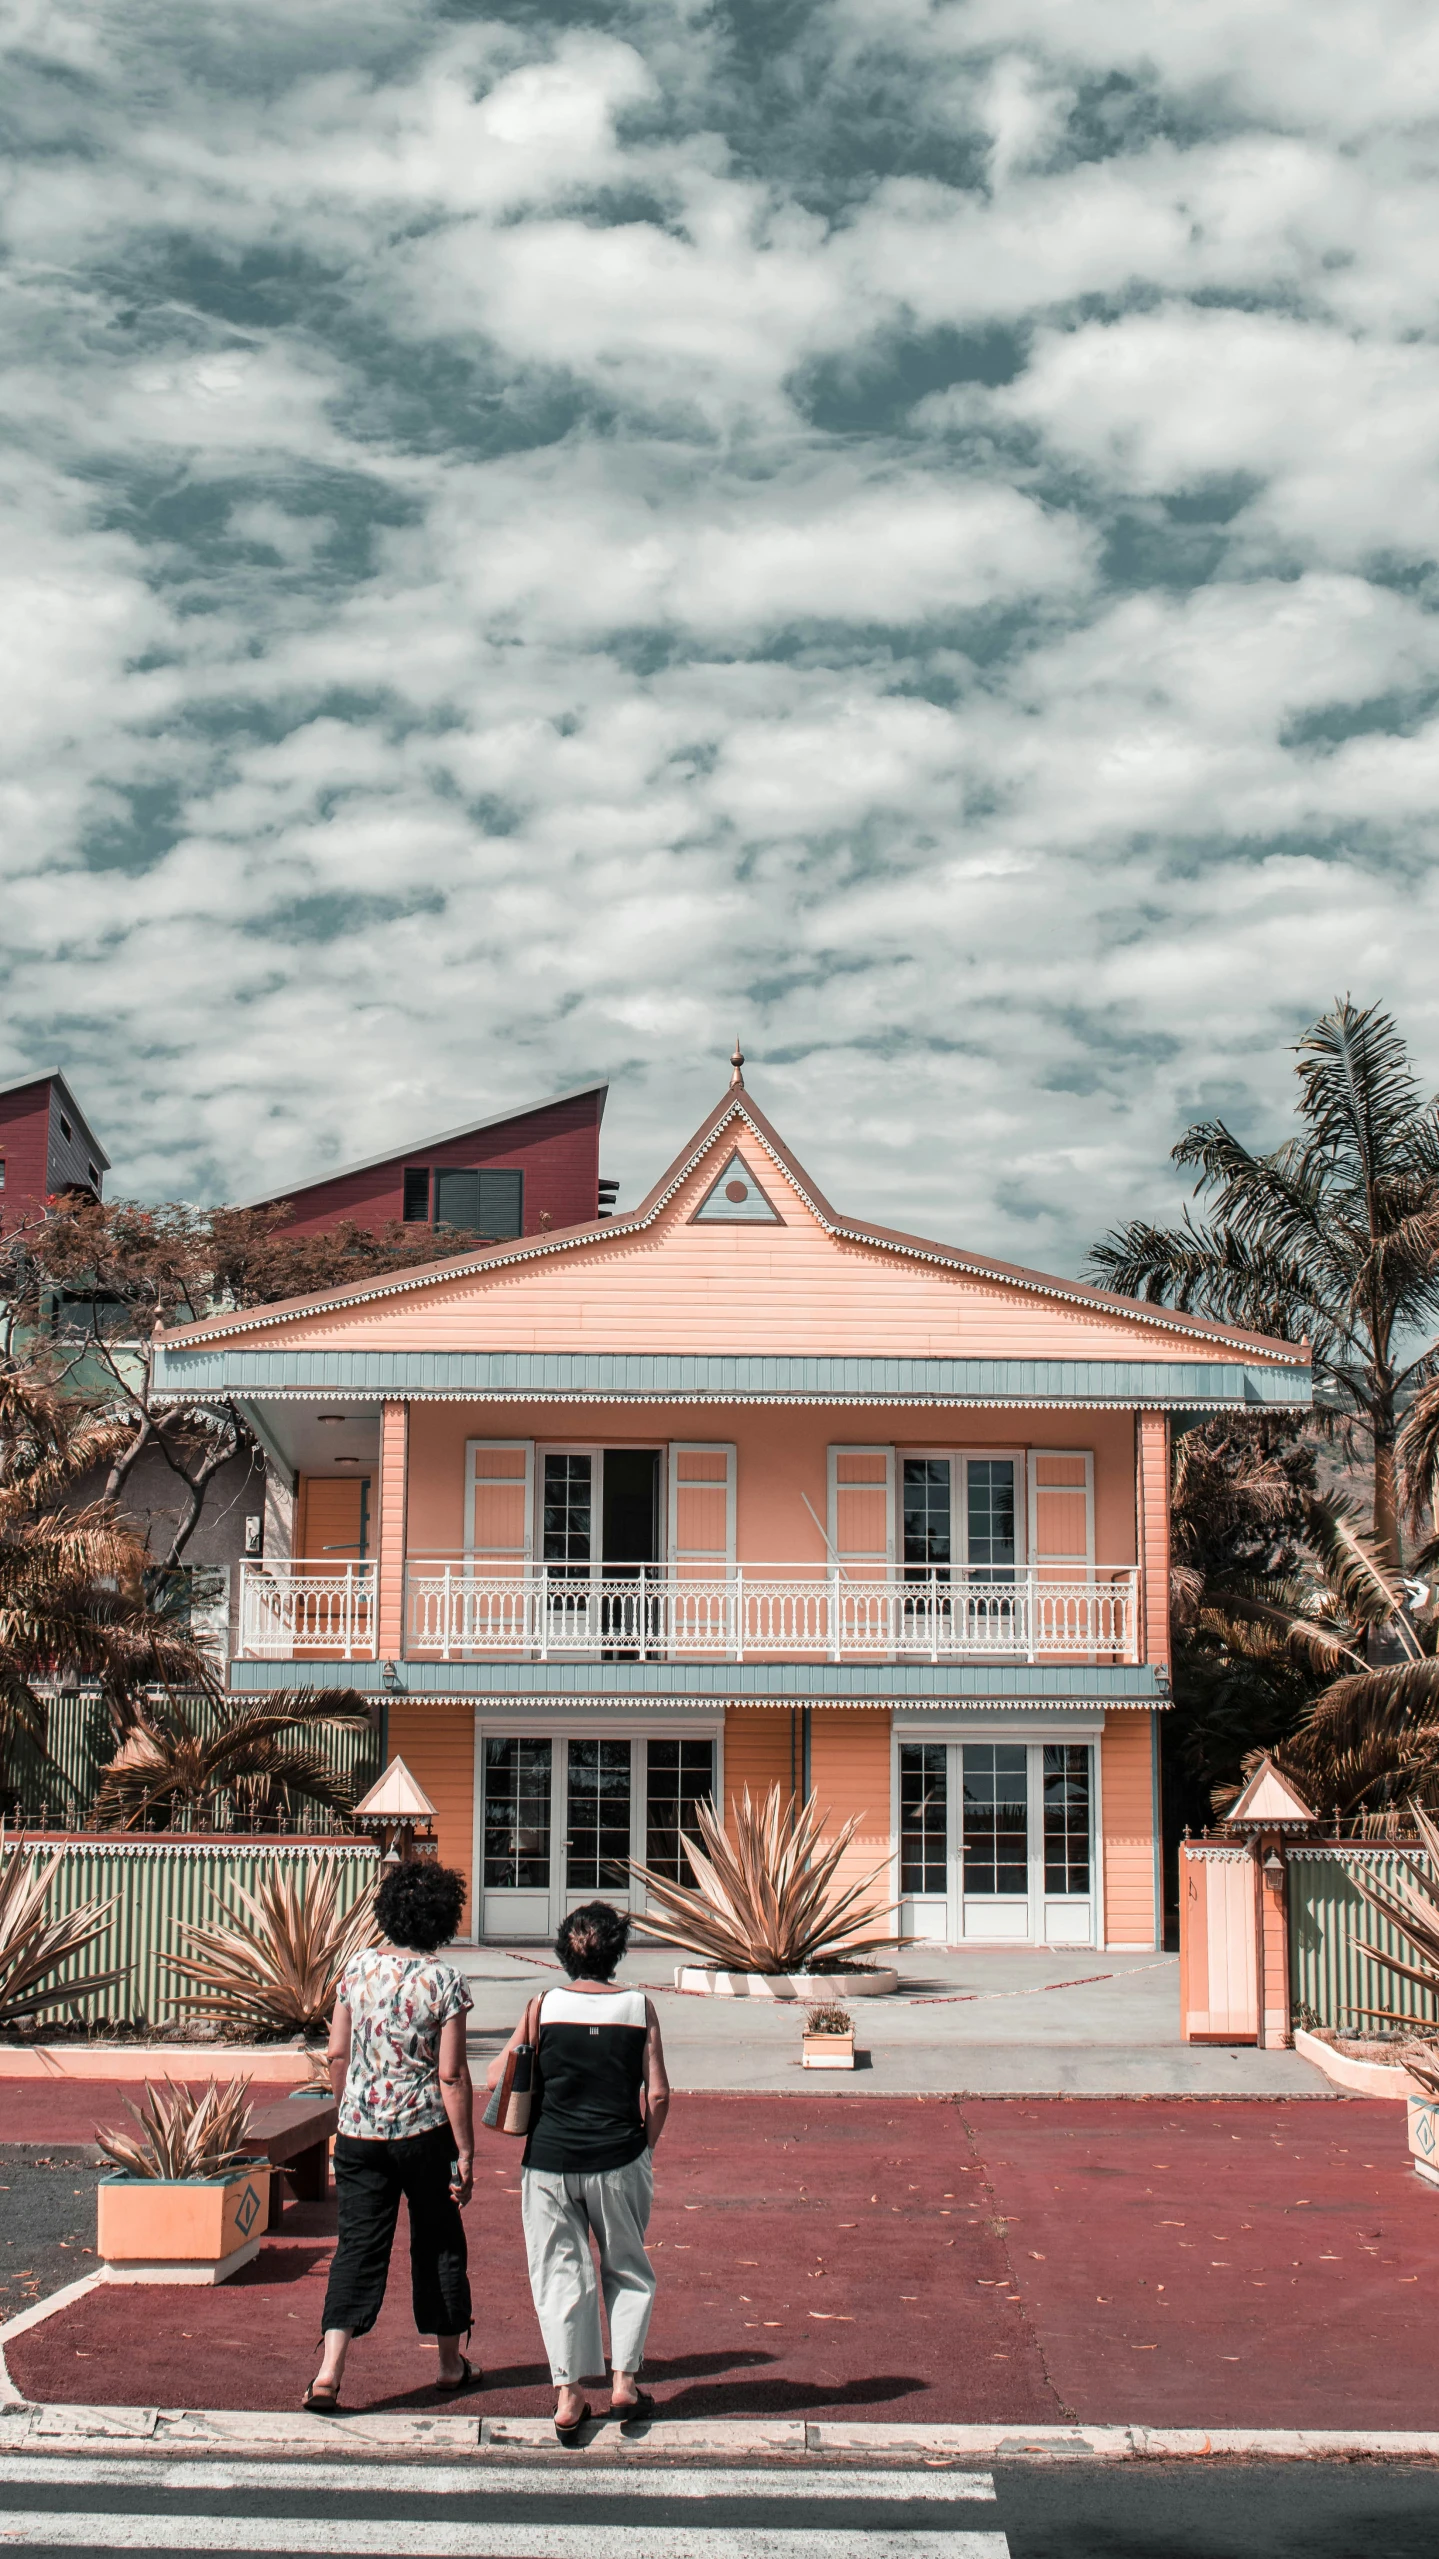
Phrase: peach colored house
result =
(731, 1489)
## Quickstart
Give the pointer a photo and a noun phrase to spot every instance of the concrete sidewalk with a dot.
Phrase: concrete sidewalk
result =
(990, 2021)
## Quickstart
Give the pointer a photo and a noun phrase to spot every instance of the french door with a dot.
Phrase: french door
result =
(560, 1813)
(997, 1842)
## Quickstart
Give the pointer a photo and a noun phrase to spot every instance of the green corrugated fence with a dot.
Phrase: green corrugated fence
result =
(159, 1883)
(1333, 1978)
(80, 1740)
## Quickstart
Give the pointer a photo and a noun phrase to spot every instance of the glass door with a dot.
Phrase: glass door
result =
(515, 1821)
(598, 1815)
(994, 1847)
(996, 1842)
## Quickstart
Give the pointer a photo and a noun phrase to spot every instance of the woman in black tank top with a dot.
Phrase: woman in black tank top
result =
(599, 2102)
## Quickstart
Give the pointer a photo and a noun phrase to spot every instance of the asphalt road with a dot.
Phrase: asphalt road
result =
(1068, 2510)
(47, 2219)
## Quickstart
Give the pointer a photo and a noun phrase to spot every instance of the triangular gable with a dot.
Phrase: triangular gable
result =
(588, 1286)
(736, 1197)
(1269, 1799)
(396, 1797)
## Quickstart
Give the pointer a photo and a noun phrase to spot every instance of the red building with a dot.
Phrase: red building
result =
(516, 1174)
(46, 1147)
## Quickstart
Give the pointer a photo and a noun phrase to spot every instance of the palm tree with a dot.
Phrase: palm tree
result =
(73, 1597)
(181, 1756)
(1331, 1239)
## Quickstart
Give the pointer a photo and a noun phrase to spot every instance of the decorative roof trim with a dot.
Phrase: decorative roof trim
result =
(785, 1684)
(737, 1106)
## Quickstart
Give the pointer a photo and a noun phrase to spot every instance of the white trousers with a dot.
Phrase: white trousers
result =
(560, 2214)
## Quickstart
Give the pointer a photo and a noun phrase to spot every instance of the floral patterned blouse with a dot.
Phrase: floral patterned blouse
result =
(397, 2002)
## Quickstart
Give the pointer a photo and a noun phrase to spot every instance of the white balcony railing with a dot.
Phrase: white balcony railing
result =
(296, 1611)
(459, 1611)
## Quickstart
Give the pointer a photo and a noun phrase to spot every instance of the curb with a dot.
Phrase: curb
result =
(168, 2433)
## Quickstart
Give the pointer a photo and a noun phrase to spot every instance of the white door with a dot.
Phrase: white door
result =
(561, 1812)
(996, 1842)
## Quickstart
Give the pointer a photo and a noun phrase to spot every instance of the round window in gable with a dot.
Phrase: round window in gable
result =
(736, 1191)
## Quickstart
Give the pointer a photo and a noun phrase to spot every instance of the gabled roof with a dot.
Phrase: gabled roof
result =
(1269, 1800)
(737, 1109)
(396, 1797)
(52, 1075)
(422, 1145)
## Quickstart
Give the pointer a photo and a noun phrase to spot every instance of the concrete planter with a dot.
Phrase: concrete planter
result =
(1424, 2138)
(182, 2230)
(828, 2052)
(154, 2061)
(812, 1986)
(1347, 2070)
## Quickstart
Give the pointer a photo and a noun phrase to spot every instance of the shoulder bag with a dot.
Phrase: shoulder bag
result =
(509, 2108)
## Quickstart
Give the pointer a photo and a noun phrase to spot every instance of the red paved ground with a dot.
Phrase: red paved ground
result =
(1005, 2260)
(65, 2110)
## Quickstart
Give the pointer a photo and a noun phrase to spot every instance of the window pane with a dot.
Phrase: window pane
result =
(599, 1818)
(990, 1517)
(927, 1519)
(923, 1817)
(517, 1814)
(499, 1205)
(678, 1775)
(996, 1817)
(567, 1514)
(1066, 1817)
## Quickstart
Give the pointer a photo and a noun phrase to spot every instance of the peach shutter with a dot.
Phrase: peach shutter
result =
(1061, 1513)
(500, 1502)
(861, 1510)
(702, 1507)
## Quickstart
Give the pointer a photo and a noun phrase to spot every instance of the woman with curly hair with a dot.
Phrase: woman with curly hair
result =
(598, 2106)
(399, 2070)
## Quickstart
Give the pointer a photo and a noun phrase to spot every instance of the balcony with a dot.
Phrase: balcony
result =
(489, 1608)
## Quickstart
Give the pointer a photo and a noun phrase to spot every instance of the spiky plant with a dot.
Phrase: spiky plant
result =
(190, 2136)
(1411, 1906)
(274, 1964)
(770, 1900)
(33, 1947)
(174, 1765)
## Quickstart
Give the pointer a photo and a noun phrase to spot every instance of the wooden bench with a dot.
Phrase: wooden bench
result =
(294, 2134)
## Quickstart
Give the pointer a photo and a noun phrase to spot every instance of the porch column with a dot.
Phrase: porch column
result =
(1152, 1523)
(390, 1532)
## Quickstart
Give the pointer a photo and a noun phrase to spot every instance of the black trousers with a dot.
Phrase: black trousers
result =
(370, 2177)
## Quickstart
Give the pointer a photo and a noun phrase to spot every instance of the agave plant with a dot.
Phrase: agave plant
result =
(276, 1962)
(770, 1900)
(190, 2136)
(33, 1947)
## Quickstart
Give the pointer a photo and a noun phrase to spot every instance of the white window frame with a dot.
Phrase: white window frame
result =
(958, 1460)
(1002, 1728)
(559, 1730)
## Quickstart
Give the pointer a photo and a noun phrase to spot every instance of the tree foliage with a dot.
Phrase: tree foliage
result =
(1332, 1238)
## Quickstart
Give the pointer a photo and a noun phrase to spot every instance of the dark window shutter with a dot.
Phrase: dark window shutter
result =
(482, 1203)
(417, 1194)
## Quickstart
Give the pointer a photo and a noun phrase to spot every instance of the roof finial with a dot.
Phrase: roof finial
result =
(736, 1081)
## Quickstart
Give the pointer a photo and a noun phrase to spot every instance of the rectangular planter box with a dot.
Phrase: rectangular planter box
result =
(1424, 2137)
(190, 2230)
(828, 2052)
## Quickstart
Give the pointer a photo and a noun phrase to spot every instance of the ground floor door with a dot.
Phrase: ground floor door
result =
(562, 1812)
(997, 1842)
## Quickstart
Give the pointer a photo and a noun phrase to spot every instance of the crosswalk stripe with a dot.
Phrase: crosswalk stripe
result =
(489, 2479)
(429, 2538)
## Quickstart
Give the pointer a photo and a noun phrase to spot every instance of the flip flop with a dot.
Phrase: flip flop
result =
(569, 2435)
(467, 2379)
(321, 2403)
(633, 2412)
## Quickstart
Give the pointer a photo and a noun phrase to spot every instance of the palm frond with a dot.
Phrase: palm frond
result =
(1418, 1454)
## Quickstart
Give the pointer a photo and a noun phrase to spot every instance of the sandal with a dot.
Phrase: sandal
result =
(467, 2379)
(322, 2403)
(633, 2412)
(570, 2435)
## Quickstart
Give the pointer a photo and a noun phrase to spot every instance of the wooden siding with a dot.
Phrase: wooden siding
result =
(1127, 1777)
(782, 1457)
(849, 1767)
(1152, 1503)
(556, 1148)
(435, 1737)
(679, 1287)
(25, 1151)
(390, 1529)
(757, 1747)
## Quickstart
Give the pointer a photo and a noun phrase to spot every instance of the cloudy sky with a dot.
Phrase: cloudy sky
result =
(538, 537)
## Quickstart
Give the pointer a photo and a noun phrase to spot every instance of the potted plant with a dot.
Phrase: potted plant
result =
(770, 1912)
(828, 2039)
(185, 2203)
